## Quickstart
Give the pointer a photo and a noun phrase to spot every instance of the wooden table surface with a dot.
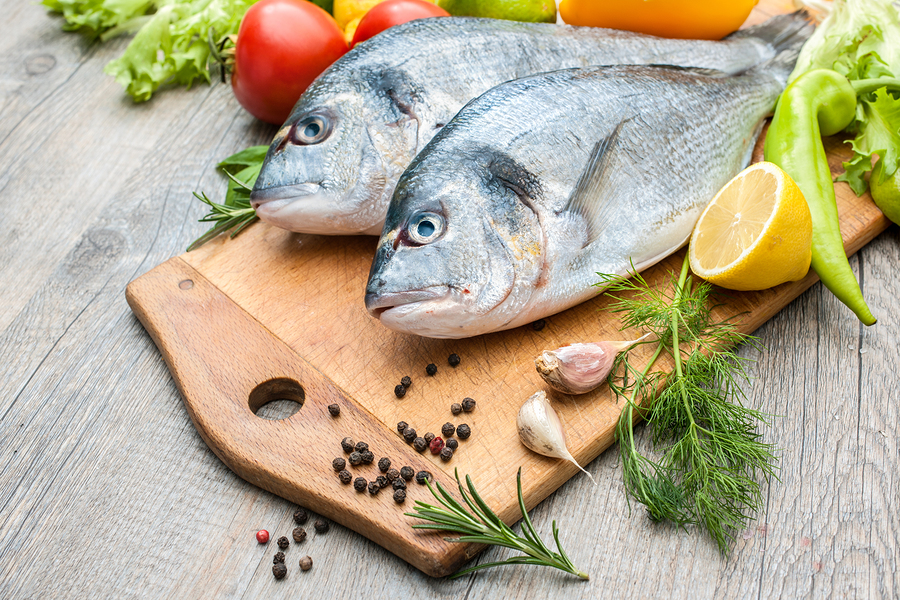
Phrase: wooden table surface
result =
(106, 489)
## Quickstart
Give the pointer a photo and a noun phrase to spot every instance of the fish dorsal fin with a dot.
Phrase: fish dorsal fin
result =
(596, 187)
(696, 70)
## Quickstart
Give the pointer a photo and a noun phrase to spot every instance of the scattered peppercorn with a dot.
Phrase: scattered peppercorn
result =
(334, 410)
(299, 534)
(446, 454)
(436, 445)
(368, 457)
(359, 484)
(278, 558)
(399, 391)
(428, 437)
(399, 496)
(447, 430)
(338, 464)
(374, 488)
(431, 369)
(406, 381)
(345, 477)
(279, 570)
(399, 484)
(393, 474)
(453, 360)
(262, 536)
(305, 563)
(355, 458)
(283, 542)
(452, 444)
(347, 444)
(384, 464)
(538, 325)
(468, 404)
(321, 526)
(463, 431)
(409, 434)
(407, 473)
(361, 447)
(401, 426)
(423, 476)
(420, 444)
(456, 408)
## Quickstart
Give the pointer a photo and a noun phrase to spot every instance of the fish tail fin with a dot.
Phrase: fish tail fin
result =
(781, 32)
(779, 66)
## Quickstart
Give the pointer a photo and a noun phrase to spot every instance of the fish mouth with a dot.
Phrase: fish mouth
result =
(394, 305)
(274, 198)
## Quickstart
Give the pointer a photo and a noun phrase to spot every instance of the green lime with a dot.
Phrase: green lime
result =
(533, 11)
(887, 193)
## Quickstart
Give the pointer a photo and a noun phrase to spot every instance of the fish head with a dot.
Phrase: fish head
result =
(332, 166)
(460, 254)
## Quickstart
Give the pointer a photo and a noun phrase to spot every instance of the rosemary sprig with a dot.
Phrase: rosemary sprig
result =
(710, 454)
(483, 526)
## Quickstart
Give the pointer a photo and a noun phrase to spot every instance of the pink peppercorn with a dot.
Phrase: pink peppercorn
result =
(436, 445)
(262, 536)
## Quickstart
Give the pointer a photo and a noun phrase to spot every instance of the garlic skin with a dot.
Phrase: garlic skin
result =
(541, 430)
(580, 368)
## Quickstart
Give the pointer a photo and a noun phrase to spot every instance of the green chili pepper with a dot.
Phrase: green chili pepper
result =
(820, 102)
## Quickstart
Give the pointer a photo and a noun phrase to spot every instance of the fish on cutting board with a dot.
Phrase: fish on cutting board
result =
(532, 189)
(332, 167)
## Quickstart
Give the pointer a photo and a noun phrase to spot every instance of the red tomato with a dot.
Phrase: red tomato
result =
(282, 46)
(393, 12)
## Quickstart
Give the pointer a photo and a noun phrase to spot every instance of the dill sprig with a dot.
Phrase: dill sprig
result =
(479, 524)
(710, 455)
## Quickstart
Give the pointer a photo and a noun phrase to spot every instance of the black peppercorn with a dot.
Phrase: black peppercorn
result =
(423, 476)
(456, 408)
(428, 437)
(299, 534)
(431, 369)
(321, 526)
(452, 444)
(420, 444)
(468, 404)
(393, 474)
(283, 542)
(399, 391)
(279, 558)
(338, 464)
(407, 473)
(399, 496)
(334, 410)
(409, 434)
(401, 426)
(305, 563)
(382, 481)
(399, 484)
(368, 457)
(406, 381)
(347, 444)
(374, 488)
(538, 325)
(453, 360)
(359, 484)
(345, 477)
(447, 430)
(279, 570)
(301, 516)
(446, 454)
(463, 431)
(355, 458)
(384, 464)
(361, 447)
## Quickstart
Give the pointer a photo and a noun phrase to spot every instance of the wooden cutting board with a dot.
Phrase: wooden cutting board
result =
(277, 315)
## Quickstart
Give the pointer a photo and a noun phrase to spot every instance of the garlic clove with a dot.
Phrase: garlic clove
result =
(541, 430)
(580, 368)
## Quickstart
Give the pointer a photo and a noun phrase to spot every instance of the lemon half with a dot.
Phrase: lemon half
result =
(755, 234)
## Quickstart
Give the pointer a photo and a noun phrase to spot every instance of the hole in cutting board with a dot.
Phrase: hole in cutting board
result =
(277, 399)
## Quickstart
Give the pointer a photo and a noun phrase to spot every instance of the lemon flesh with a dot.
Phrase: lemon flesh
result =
(755, 234)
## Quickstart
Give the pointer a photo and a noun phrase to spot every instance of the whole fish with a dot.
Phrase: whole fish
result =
(539, 184)
(332, 167)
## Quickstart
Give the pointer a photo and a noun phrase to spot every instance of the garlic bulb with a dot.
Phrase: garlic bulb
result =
(580, 368)
(541, 430)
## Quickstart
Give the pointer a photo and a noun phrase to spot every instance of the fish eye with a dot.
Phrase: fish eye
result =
(425, 227)
(311, 130)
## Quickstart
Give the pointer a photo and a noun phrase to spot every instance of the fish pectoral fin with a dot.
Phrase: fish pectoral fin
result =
(597, 185)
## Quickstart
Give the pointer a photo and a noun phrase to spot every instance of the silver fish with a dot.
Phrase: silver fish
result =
(333, 166)
(539, 184)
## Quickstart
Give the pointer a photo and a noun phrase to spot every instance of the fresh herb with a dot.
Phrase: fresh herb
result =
(479, 524)
(710, 453)
(235, 213)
